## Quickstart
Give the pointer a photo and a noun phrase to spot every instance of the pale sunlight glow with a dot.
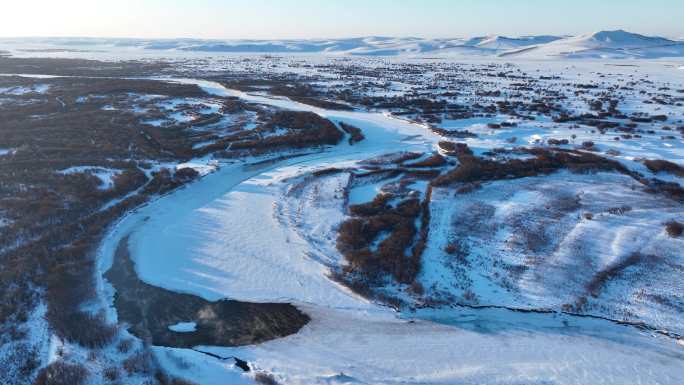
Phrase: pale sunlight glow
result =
(270, 19)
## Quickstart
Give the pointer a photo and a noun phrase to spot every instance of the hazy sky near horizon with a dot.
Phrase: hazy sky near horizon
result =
(273, 19)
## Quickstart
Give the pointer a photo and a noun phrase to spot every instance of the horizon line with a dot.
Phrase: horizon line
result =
(328, 38)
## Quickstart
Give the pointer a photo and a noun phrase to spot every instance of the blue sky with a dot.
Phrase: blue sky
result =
(269, 19)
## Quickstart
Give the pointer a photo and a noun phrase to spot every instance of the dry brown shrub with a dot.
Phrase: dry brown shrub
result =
(659, 165)
(265, 379)
(674, 228)
(62, 373)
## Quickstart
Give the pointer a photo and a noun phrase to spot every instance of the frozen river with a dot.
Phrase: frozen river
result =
(229, 235)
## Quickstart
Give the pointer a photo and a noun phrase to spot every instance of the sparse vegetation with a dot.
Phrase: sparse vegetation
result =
(265, 379)
(62, 373)
(660, 165)
(382, 243)
(58, 218)
(355, 133)
(674, 228)
(474, 169)
(601, 278)
(303, 129)
(80, 152)
(55, 219)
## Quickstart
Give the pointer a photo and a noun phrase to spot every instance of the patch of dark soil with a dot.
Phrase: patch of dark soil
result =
(150, 310)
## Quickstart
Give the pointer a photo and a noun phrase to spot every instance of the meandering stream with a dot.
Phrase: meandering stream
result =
(155, 245)
(217, 238)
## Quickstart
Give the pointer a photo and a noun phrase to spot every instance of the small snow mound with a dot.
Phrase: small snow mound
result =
(535, 139)
(183, 327)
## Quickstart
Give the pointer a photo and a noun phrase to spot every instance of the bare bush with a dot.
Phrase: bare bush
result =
(474, 169)
(18, 361)
(417, 288)
(111, 373)
(600, 279)
(125, 345)
(659, 165)
(435, 160)
(181, 381)
(139, 363)
(265, 379)
(622, 210)
(355, 133)
(62, 373)
(674, 228)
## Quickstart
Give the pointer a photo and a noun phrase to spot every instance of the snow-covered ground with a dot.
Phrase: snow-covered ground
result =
(246, 232)
(218, 225)
(530, 243)
(263, 229)
(352, 346)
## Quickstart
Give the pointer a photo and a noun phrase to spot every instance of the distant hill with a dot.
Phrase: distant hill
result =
(603, 44)
(607, 44)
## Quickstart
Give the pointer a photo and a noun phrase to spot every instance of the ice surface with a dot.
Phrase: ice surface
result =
(247, 233)
(183, 327)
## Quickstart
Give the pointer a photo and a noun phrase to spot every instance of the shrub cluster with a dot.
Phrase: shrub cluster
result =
(355, 133)
(660, 165)
(475, 169)
(377, 241)
(305, 129)
(435, 160)
(56, 221)
(62, 373)
(674, 228)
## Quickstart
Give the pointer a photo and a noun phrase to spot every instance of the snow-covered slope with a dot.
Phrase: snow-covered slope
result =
(607, 44)
(508, 43)
(387, 46)
(604, 44)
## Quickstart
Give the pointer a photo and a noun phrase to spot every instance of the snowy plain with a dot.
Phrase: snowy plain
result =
(237, 233)
(223, 236)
